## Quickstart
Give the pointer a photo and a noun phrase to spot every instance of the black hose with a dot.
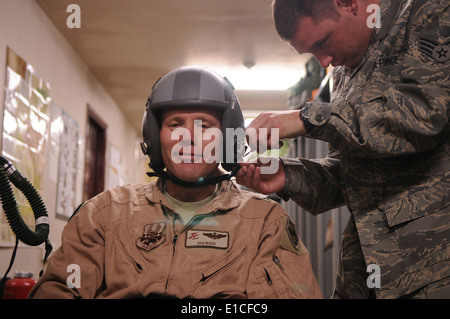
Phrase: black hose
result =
(9, 204)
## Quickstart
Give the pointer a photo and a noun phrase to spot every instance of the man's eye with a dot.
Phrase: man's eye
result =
(203, 125)
(321, 44)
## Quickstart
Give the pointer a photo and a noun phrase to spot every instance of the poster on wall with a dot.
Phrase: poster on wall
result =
(117, 171)
(67, 167)
(26, 118)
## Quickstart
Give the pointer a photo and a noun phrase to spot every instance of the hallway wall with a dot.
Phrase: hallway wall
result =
(26, 30)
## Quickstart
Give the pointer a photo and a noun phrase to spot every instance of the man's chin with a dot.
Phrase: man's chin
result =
(191, 175)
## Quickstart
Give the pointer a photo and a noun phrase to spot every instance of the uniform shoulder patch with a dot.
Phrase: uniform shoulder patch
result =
(289, 238)
(440, 52)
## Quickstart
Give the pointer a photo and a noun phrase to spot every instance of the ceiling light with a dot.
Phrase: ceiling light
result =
(261, 77)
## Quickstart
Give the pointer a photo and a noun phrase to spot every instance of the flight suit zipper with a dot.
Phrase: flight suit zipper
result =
(189, 224)
(174, 242)
(227, 264)
(268, 278)
(277, 261)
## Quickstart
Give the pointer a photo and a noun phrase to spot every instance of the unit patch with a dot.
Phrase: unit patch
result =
(207, 239)
(292, 233)
(153, 236)
(289, 238)
(440, 52)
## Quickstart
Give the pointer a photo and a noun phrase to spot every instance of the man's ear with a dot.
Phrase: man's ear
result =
(348, 5)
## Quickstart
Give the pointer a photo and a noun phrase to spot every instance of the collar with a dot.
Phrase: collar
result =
(228, 196)
(391, 11)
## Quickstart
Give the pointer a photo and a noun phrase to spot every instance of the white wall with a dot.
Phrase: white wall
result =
(29, 33)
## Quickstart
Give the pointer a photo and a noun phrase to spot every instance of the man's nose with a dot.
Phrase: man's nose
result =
(195, 131)
(324, 60)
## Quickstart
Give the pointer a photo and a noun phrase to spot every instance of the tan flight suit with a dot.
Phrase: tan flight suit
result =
(129, 243)
(388, 130)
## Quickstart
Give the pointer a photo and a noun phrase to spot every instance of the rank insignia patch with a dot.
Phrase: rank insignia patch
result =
(153, 236)
(438, 51)
(207, 239)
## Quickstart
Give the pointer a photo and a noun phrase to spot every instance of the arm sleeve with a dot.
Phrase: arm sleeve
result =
(76, 268)
(315, 184)
(282, 269)
(385, 115)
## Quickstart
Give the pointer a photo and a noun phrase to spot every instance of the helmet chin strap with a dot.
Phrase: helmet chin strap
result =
(210, 180)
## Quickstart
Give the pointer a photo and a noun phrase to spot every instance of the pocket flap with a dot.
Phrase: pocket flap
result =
(415, 203)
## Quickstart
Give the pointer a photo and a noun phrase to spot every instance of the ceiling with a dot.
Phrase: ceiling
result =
(129, 44)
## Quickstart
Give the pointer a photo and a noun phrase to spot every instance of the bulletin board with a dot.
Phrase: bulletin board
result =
(26, 119)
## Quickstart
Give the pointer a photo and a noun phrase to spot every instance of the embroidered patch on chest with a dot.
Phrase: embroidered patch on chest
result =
(387, 61)
(153, 236)
(207, 239)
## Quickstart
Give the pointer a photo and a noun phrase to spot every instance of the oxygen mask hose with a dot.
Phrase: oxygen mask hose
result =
(21, 230)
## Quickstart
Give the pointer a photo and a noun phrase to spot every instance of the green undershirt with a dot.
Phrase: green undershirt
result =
(187, 210)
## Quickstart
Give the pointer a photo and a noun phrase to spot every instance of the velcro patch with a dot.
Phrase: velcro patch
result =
(289, 238)
(440, 52)
(207, 239)
(153, 236)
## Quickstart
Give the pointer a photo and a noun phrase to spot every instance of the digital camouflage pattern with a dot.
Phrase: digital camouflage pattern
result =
(389, 161)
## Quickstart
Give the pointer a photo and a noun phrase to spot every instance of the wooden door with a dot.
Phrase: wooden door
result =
(94, 169)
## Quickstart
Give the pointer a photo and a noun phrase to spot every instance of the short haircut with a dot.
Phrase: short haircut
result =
(287, 13)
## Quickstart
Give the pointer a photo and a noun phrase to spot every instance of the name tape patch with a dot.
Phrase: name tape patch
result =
(207, 239)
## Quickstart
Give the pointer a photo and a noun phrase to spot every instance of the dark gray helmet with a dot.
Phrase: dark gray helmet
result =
(192, 86)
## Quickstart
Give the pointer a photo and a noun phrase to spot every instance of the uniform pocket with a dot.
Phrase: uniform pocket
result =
(420, 219)
(137, 265)
(127, 253)
(277, 282)
(218, 268)
(225, 277)
(415, 203)
(425, 241)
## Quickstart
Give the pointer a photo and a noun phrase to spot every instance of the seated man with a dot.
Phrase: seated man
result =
(191, 233)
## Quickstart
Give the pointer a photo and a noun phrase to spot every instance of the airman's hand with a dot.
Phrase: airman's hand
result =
(250, 176)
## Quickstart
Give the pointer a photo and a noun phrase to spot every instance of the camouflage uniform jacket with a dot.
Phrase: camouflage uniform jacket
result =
(388, 130)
